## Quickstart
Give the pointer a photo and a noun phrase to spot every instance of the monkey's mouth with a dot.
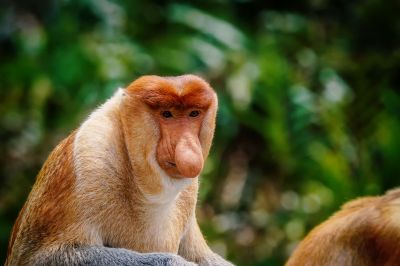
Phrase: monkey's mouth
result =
(171, 164)
(172, 170)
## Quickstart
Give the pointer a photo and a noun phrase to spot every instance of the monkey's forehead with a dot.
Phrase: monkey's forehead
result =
(187, 78)
(180, 84)
(180, 92)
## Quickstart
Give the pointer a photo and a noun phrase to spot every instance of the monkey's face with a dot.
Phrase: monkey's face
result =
(184, 109)
(179, 151)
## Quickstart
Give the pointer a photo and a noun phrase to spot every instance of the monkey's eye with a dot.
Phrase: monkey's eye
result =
(194, 113)
(166, 114)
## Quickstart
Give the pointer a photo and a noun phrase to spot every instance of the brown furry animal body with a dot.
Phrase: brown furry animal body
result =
(365, 232)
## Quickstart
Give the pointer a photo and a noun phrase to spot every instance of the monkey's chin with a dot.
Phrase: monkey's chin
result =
(173, 173)
(183, 177)
(179, 176)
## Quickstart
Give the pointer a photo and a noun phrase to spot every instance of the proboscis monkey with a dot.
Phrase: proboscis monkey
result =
(125, 183)
(365, 232)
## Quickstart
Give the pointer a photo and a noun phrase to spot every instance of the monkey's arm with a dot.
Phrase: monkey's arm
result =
(99, 256)
(193, 247)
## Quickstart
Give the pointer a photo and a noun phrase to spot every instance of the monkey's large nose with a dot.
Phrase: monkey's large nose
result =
(189, 156)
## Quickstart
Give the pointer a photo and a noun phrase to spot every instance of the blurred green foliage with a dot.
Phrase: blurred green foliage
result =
(308, 115)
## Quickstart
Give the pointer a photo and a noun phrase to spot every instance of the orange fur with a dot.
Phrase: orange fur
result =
(105, 185)
(179, 92)
(364, 232)
(44, 216)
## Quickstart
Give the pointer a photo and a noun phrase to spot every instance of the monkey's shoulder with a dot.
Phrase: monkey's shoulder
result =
(60, 160)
